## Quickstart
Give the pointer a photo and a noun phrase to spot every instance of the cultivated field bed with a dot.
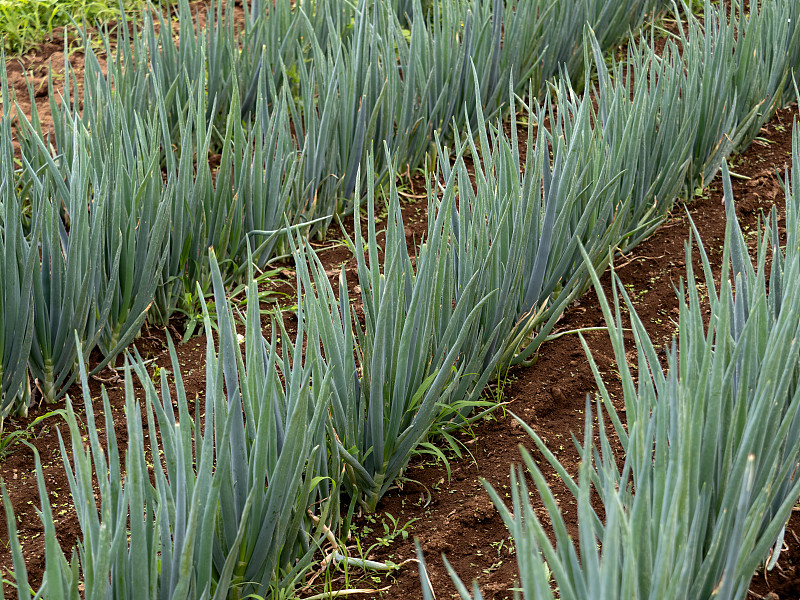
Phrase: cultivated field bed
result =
(267, 153)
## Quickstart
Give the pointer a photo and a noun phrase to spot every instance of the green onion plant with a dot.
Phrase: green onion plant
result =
(19, 251)
(391, 375)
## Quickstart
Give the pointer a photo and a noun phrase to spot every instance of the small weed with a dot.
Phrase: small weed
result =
(23, 435)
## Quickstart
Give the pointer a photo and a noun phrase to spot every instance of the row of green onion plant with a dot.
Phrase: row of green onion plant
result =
(218, 500)
(354, 90)
(707, 478)
(713, 86)
(99, 227)
(500, 261)
(384, 83)
(509, 260)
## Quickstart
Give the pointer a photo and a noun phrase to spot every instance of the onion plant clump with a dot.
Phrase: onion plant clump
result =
(238, 208)
(232, 503)
(355, 94)
(19, 251)
(617, 168)
(526, 42)
(516, 231)
(392, 376)
(711, 443)
(98, 233)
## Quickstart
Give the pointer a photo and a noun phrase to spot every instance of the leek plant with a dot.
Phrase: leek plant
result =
(16, 313)
(19, 252)
(238, 208)
(275, 434)
(409, 362)
(266, 176)
(459, 35)
(518, 230)
(233, 485)
(645, 122)
(271, 27)
(342, 96)
(711, 444)
(357, 90)
(104, 221)
(73, 287)
(136, 230)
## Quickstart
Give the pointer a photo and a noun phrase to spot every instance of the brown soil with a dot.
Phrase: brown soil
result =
(448, 512)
